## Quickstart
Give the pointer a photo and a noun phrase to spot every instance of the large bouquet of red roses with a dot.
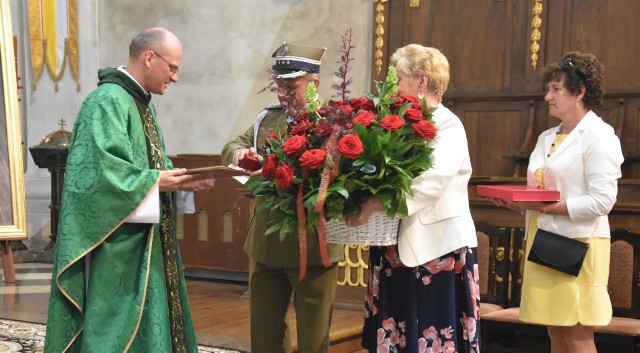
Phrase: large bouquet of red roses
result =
(334, 156)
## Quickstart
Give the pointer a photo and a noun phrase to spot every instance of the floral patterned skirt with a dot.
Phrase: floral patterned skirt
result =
(430, 308)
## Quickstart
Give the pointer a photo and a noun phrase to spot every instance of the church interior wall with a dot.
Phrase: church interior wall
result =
(227, 54)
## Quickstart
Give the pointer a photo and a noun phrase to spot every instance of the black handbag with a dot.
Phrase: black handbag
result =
(558, 252)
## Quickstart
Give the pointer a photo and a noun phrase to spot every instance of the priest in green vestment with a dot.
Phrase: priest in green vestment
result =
(118, 284)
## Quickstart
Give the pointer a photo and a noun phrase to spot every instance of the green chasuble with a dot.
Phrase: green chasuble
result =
(133, 298)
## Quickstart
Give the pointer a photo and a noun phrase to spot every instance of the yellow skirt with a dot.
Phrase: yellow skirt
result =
(552, 298)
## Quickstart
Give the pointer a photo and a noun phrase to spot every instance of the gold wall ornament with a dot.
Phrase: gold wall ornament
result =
(379, 32)
(536, 23)
(414, 3)
(355, 261)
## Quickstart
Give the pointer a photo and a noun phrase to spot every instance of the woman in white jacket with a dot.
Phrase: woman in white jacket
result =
(423, 293)
(581, 158)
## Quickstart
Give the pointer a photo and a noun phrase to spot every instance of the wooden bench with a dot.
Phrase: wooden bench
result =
(504, 332)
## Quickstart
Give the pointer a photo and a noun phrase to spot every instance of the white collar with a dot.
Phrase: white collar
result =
(123, 69)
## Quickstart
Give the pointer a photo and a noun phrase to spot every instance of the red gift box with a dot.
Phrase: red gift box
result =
(517, 193)
(250, 162)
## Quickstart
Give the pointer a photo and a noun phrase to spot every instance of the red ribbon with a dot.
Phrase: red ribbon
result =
(302, 231)
(329, 173)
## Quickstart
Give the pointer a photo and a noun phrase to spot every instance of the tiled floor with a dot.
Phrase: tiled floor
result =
(27, 298)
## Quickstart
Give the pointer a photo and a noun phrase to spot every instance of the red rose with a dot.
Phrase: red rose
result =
(425, 129)
(403, 98)
(284, 177)
(364, 118)
(346, 108)
(350, 146)
(362, 103)
(301, 128)
(413, 115)
(312, 159)
(269, 167)
(415, 103)
(294, 145)
(392, 122)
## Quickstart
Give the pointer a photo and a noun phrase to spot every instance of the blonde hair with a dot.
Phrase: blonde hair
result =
(416, 60)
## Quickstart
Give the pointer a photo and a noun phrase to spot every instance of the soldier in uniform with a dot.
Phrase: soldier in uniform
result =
(275, 263)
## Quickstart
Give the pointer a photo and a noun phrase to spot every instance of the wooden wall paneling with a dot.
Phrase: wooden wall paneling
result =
(519, 52)
(610, 30)
(477, 49)
(629, 133)
(607, 29)
(622, 112)
(485, 56)
(495, 131)
(227, 226)
(213, 237)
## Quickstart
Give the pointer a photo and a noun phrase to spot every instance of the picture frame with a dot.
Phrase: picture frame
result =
(12, 196)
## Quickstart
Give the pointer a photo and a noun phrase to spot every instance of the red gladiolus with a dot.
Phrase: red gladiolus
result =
(294, 145)
(284, 177)
(425, 129)
(302, 128)
(324, 129)
(392, 122)
(312, 159)
(269, 167)
(350, 146)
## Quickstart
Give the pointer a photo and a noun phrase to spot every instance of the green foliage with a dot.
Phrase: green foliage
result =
(391, 158)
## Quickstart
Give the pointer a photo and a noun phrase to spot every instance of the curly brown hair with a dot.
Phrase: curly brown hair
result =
(579, 69)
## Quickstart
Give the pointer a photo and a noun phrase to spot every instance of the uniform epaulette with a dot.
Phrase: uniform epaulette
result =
(273, 106)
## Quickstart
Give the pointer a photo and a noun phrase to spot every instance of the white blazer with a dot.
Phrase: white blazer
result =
(585, 168)
(439, 217)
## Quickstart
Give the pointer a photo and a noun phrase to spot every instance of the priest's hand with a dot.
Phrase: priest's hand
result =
(197, 185)
(171, 180)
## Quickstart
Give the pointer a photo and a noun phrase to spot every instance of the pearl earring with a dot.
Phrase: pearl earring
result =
(420, 95)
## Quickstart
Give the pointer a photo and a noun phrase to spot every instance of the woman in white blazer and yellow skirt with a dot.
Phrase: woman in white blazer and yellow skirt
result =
(581, 158)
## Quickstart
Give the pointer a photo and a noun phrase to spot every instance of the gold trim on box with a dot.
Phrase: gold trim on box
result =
(414, 3)
(17, 229)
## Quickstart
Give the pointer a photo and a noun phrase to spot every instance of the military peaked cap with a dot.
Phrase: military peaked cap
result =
(294, 60)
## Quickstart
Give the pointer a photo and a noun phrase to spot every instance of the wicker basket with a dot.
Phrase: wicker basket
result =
(380, 230)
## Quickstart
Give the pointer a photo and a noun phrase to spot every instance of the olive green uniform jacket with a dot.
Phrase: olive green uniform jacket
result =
(268, 249)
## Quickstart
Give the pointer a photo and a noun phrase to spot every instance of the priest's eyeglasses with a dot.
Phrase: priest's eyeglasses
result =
(174, 69)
